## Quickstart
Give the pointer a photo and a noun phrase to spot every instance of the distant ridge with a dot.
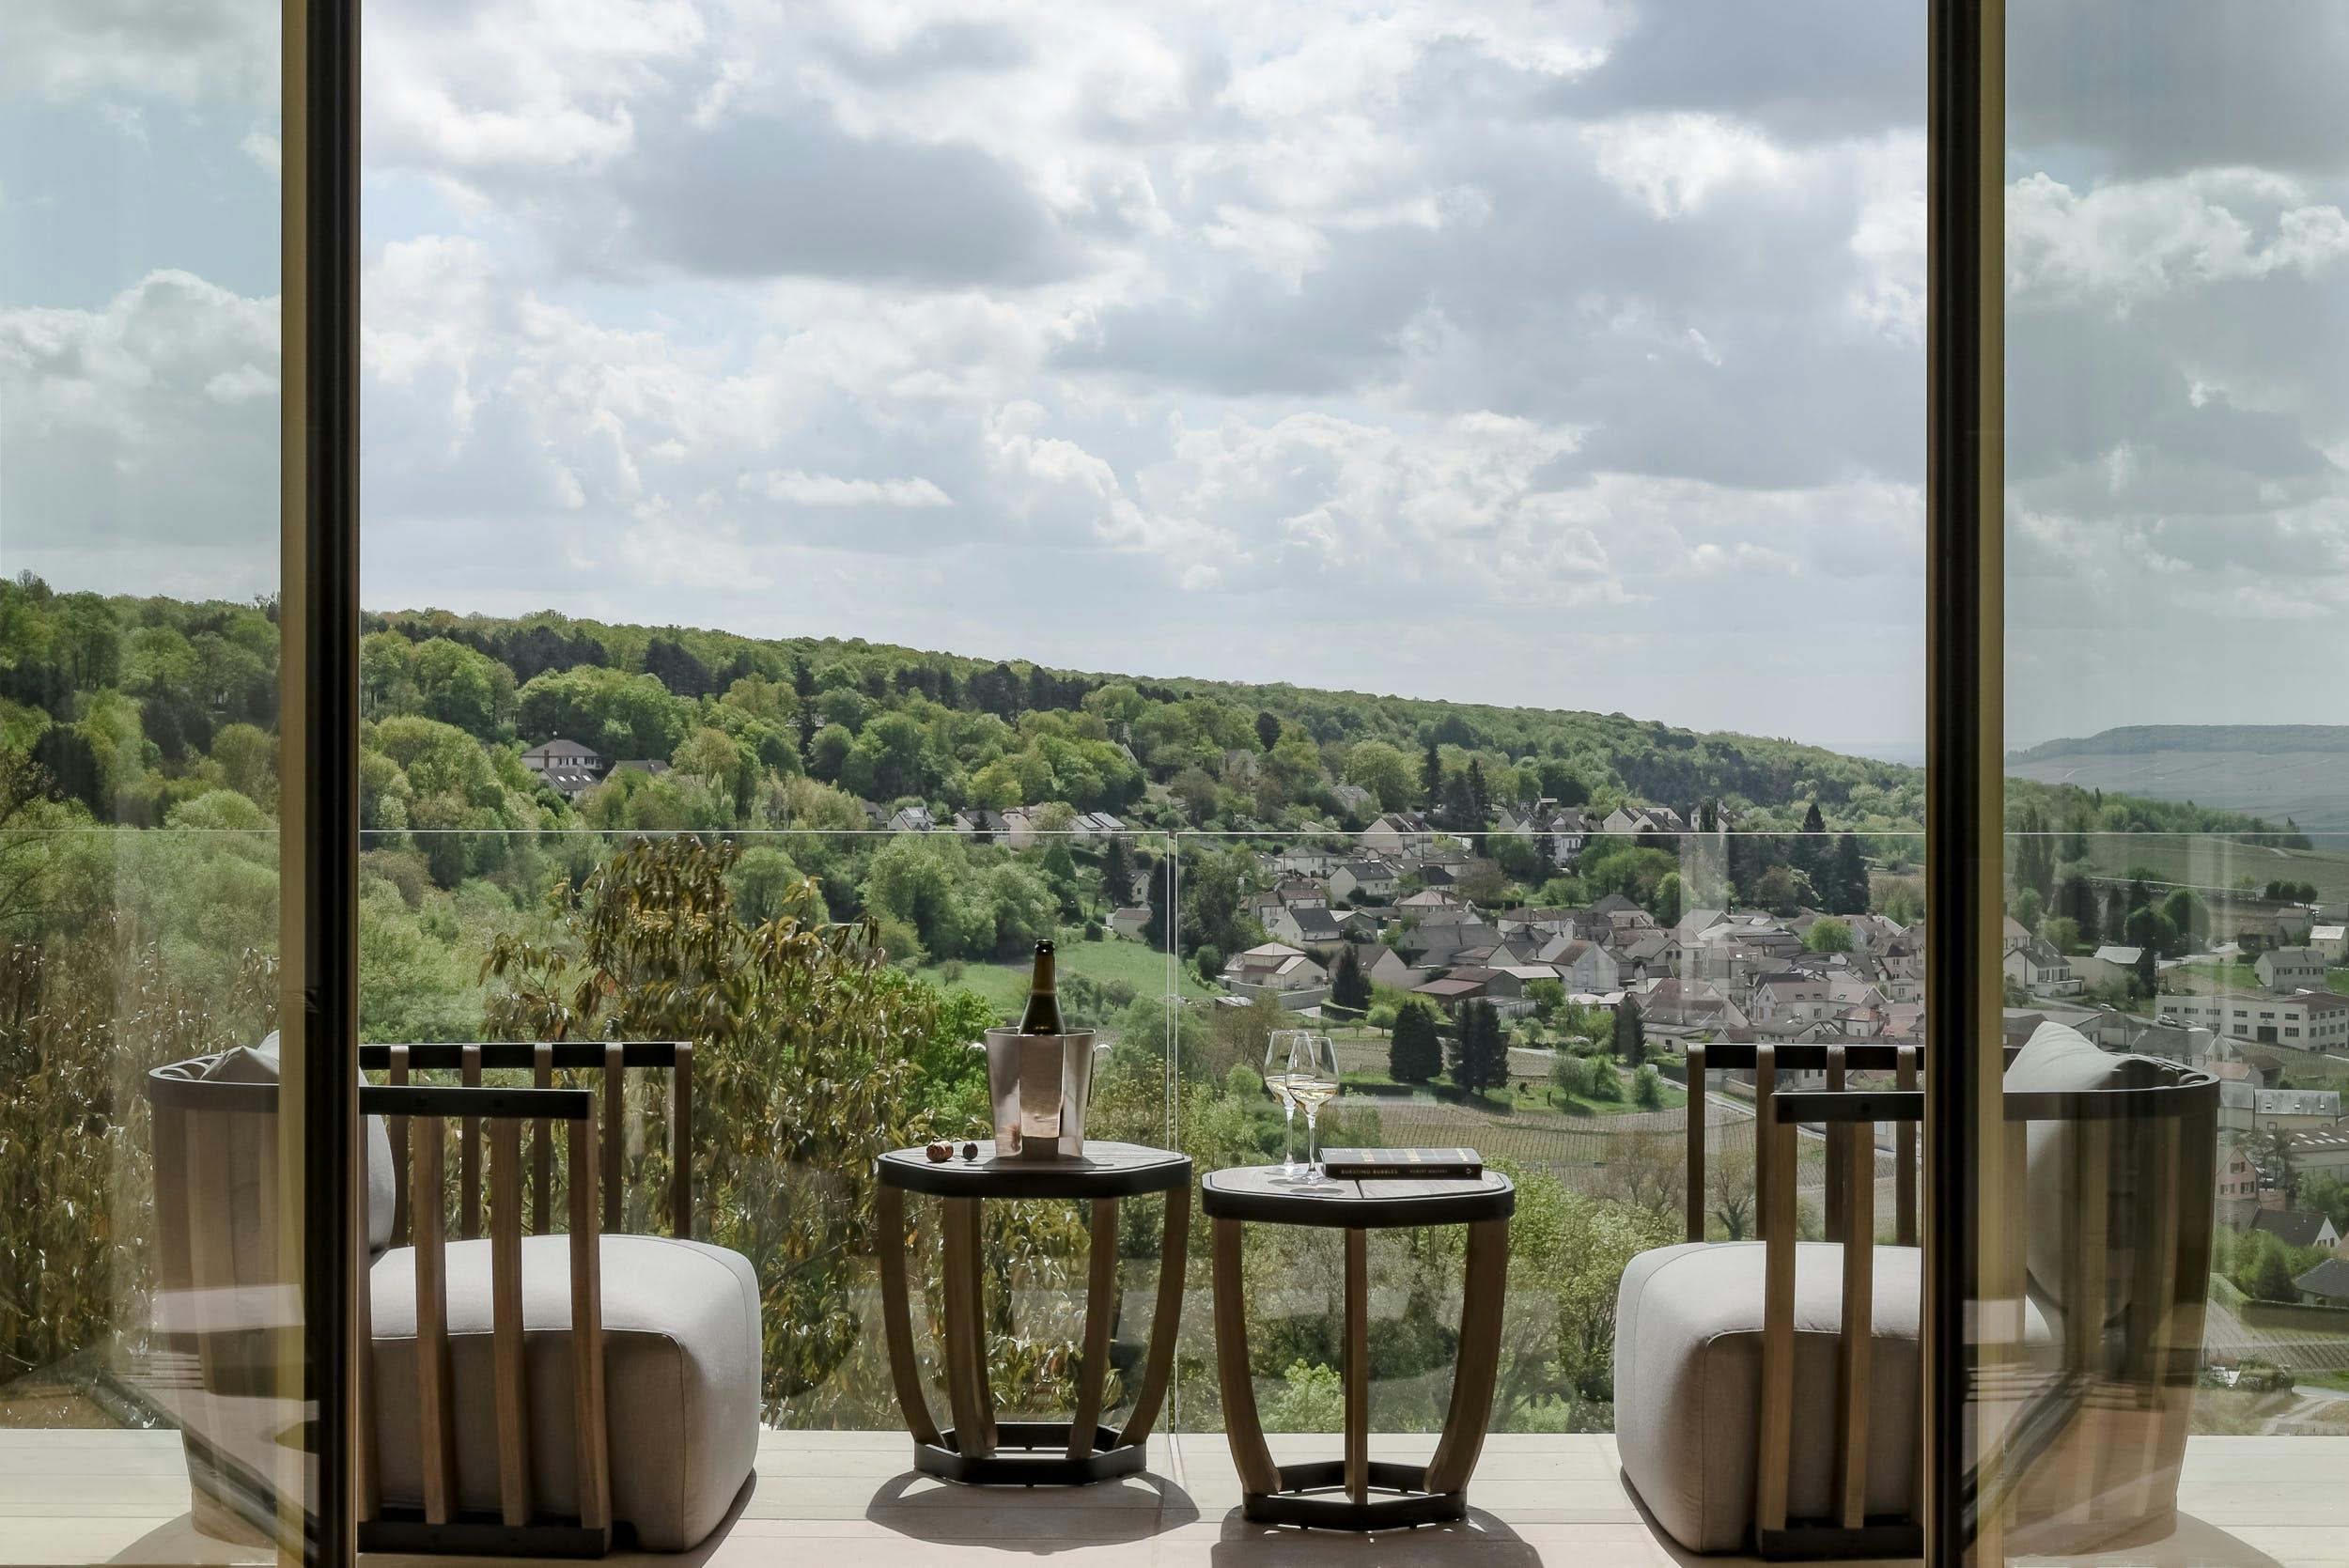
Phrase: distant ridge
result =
(2141, 739)
(2294, 773)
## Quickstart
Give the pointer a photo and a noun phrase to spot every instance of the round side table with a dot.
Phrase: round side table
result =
(1074, 1451)
(1339, 1494)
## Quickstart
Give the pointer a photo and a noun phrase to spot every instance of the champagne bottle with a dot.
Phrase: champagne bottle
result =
(1043, 1013)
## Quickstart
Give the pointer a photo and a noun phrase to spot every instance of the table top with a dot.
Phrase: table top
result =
(1259, 1193)
(1104, 1171)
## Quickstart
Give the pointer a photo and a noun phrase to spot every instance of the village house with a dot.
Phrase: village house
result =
(979, 823)
(1301, 890)
(1276, 968)
(1439, 946)
(1129, 922)
(2040, 969)
(2321, 1151)
(2291, 969)
(2110, 965)
(1359, 880)
(2326, 1284)
(2257, 923)
(1383, 966)
(1449, 993)
(2238, 1187)
(2331, 943)
(1566, 828)
(2298, 1228)
(1789, 1002)
(1688, 1007)
(2297, 1110)
(1397, 834)
(913, 819)
(566, 767)
(2303, 1020)
(1307, 860)
(1581, 965)
(1317, 926)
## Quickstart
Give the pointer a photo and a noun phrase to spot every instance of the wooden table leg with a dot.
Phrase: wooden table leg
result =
(1165, 1319)
(965, 1333)
(1356, 1374)
(1258, 1473)
(897, 1320)
(1101, 1308)
(1484, 1290)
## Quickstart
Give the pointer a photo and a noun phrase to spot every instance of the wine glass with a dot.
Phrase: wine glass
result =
(1276, 1077)
(1313, 1082)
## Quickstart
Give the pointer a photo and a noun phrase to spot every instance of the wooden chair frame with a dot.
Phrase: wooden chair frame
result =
(201, 1123)
(2170, 1147)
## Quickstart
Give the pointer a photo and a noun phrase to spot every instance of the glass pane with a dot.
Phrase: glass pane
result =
(2160, 1347)
(152, 1337)
(1211, 372)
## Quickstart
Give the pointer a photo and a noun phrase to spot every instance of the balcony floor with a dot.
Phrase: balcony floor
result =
(121, 1496)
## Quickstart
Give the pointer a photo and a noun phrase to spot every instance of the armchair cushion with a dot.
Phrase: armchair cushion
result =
(1689, 1384)
(681, 1373)
(2060, 1059)
(261, 1064)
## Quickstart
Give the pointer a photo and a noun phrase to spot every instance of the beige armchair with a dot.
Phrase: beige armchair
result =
(1768, 1393)
(504, 1371)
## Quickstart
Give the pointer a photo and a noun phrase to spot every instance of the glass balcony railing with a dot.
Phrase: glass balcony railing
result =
(1529, 995)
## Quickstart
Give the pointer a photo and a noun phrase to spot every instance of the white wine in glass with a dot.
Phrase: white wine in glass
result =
(1276, 1077)
(1313, 1082)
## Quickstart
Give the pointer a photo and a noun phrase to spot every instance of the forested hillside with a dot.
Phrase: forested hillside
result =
(151, 712)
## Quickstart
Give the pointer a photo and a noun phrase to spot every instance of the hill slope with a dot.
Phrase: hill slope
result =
(2297, 773)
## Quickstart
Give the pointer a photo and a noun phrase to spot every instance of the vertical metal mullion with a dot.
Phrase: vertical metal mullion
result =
(1965, 814)
(319, 726)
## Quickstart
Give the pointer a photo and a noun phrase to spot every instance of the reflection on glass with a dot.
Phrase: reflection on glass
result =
(1313, 1082)
(2174, 843)
(1280, 1046)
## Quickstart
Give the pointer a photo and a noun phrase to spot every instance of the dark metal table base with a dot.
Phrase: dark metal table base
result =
(1314, 1494)
(1044, 1463)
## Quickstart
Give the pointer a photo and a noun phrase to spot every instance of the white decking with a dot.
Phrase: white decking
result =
(847, 1500)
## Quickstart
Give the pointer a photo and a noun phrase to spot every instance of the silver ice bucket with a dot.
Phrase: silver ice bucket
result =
(1039, 1085)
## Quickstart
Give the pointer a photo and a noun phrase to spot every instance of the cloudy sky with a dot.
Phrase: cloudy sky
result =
(1562, 353)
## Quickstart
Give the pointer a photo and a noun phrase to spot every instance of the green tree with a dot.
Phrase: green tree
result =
(1349, 986)
(1383, 770)
(1480, 1052)
(1647, 1087)
(1117, 872)
(1415, 1054)
(794, 1025)
(1828, 935)
(1629, 1041)
(458, 686)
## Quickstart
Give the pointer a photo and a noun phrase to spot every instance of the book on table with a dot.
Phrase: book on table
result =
(1390, 1164)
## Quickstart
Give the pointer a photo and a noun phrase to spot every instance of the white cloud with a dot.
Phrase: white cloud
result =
(2121, 243)
(825, 489)
(263, 148)
(107, 51)
(142, 439)
(1673, 164)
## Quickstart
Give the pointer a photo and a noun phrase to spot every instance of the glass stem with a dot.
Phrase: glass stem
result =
(1288, 1140)
(1313, 1160)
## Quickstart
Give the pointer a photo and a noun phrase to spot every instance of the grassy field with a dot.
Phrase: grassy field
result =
(1104, 962)
(2214, 862)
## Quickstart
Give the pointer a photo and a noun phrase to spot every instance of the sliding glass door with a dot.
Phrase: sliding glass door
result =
(2156, 1309)
(165, 1219)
